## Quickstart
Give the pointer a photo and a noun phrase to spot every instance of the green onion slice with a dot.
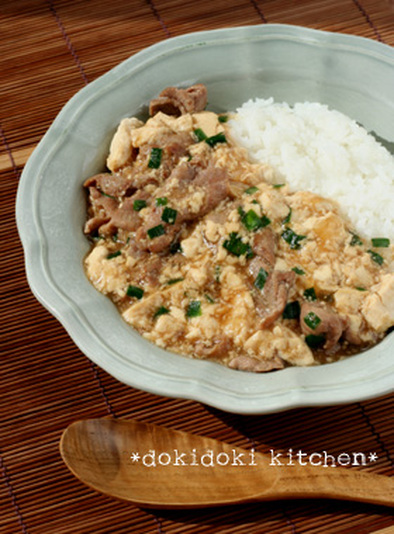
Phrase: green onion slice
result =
(135, 291)
(201, 136)
(314, 342)
(156, 231)
(114, 255)
(138, 205)
(169, 215)
(310, 294)
(287, 219)
(312, 320)
(155, 158)
(261, 279)
(223, 118)
(161, 201)
(175, 247)
(252, 221)
(194, 309)
(292, 310)
(292, 238)
(161, 311)
(377, 258)
(217, 273)
(215, 139)
(174, 281)
(236, 246)
(380, 242)
(297, 270)
(251, 190)
(355, 240)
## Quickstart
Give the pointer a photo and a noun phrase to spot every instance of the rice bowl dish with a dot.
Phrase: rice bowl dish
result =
(76, 146)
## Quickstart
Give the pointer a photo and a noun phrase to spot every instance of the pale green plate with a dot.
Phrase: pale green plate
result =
(351, 74)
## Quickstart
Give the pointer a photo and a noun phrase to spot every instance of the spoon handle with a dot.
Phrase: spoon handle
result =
(332, 483)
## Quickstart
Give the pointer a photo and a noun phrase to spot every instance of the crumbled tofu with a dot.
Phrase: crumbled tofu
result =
(108, 275)
(121, 149)
(378, 307)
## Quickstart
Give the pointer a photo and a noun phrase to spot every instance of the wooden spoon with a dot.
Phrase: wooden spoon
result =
(156, 467)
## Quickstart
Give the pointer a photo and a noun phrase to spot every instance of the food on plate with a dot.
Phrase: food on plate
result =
(205, 253)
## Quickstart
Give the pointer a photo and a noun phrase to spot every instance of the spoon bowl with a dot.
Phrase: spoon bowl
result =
(156, 467)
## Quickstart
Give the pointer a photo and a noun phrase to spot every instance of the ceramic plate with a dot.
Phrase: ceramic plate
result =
(293, 64)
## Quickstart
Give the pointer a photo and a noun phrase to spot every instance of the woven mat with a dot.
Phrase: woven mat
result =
(50, 49)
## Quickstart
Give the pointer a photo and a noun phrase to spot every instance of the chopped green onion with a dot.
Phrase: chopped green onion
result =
(380, 242)
(201, 136)
(252, 221)
(161, 201)
(134, 291)
(215, 139)
(223, 118)
(261, 279)
(292, 238)
(236, 246)
(155, 158)
(156, 231)
(297, 270)
(174, 281)
(169, 215)
(355, 240)
(314, 342)
(217, 273)
(251, 190)
(312, 320)
(175, 247)
(287, 219)
(310, 293)
(277, 186)
(292, 310)
(138, 205)
(377, 258)
(114, 255)
(360, 288)
(209, 298)
(194, 309)
(265, 221)
(161, 311)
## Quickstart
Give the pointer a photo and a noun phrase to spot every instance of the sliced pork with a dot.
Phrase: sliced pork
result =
(174, 101)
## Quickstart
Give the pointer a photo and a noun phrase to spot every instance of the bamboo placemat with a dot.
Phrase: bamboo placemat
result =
(49, 50)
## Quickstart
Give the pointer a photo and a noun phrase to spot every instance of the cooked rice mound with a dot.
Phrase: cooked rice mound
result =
(313, 148)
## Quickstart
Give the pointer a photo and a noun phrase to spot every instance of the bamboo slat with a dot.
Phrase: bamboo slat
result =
(51, 49)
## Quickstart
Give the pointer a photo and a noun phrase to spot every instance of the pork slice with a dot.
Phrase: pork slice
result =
(218, 348)
(116, 185)
(100, 211)
(264, 246)
(123, 216)
(325, 321)
(214, 182)
(174, 101)
(271, 300)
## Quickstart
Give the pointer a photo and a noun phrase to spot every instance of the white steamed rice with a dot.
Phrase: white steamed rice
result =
(311, 147)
